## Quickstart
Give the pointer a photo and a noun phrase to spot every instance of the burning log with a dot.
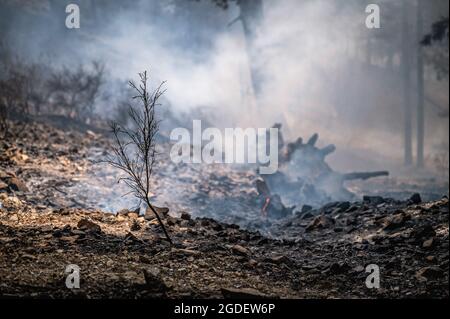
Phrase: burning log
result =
(266, 205)
(272, 203)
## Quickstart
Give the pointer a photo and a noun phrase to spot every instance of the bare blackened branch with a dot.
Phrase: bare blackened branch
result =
(134, 150)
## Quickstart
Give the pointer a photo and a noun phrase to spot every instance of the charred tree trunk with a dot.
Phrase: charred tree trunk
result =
(251, 14)
(406, 66)
(420, 88)
(7, 16)
(369, 51)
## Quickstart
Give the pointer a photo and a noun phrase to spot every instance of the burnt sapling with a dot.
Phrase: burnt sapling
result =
(134, 150)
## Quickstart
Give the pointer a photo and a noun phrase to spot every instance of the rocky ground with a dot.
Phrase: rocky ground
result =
(54, 204)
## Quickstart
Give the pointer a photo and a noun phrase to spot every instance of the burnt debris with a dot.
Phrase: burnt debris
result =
(305, 178)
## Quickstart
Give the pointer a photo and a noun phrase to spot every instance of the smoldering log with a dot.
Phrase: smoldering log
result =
(306, 178)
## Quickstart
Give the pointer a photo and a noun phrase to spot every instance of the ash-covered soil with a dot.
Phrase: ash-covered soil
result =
(55, 210)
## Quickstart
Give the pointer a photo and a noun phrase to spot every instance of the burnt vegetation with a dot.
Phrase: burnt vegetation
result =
(134, 151)
(31, 89)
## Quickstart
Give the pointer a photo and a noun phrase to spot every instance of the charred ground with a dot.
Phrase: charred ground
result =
(47, 223)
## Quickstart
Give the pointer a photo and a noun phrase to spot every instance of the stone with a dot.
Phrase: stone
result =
(17, 185)
(358, 269)
(395, 222)
(204, 222)
(161, 211)
(12, 203)
(153, 282)
(28, 256)
(171, 221)
(133, 215)
(78, 232)
(415, 199)
(216, 226)
(431, 259)
(149, 215)
(135, 226)
(123, 212)
(376, 200)
(320, 222)
(88, 226)
(3, 186)
(279, 260)
(91, 134)
(339, 268)
(4, 175)
(424, 231)
(120, 218)
(427, 244)
(185, 216)
(130, 213)
(430, 273)
(239, 250)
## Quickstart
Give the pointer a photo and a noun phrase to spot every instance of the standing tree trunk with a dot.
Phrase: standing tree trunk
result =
(420, 88)
(251, 14)
(369, 51)
(406, 65)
